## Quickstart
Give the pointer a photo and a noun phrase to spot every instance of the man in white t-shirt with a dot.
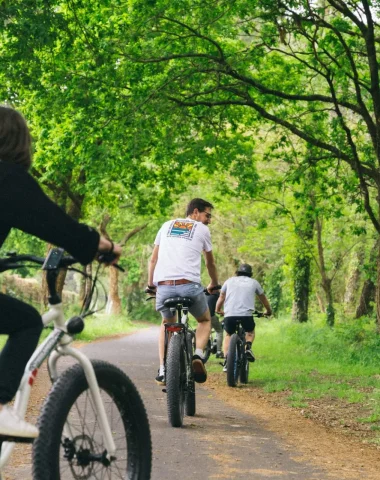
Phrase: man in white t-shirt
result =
(175, 270)
(238, 296)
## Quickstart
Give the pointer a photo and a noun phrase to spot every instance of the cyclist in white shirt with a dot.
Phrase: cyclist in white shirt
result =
(238, 296)
(175, 270)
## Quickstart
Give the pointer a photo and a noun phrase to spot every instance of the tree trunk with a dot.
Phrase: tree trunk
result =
(85, 284)
(366, 297)
(302, 269)
(326, 282)
(368, 293)
(352, 285)
(378, 290)
(114, 302)
(82, 287)
(330, 311)
(320, 303)
(301, 287)
(75, 212)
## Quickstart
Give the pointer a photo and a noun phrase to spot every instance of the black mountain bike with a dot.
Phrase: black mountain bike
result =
(179, 347)
(237, 362)
(178, 355)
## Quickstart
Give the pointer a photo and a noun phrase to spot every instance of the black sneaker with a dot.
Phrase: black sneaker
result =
(199, 370)
(250, 356)
(160, 379)
(219, 355)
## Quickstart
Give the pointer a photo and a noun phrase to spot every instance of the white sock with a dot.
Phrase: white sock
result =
(162, 370)
(199, 352)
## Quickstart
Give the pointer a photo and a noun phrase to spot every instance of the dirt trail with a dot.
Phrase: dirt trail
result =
(338, 453)
(237, 433)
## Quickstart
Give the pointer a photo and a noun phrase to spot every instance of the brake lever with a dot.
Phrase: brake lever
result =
(116, 265)
(108, 258)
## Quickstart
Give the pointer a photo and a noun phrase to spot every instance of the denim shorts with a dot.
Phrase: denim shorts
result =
(191, 290)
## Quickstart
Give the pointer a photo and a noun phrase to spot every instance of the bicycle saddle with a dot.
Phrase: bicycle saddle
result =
(174, 301)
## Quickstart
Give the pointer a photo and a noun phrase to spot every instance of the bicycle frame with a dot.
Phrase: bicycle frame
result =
(56, 345)
(176, 328)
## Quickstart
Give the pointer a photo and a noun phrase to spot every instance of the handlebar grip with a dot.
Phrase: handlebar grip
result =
(108, 258)
(217, 287)
(150, 290)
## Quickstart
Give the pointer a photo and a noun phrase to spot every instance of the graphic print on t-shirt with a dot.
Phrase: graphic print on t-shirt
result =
(181, 229)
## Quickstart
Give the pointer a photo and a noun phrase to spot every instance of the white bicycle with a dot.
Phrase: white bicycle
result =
(93, 423)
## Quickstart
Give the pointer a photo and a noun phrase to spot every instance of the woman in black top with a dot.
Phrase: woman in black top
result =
(23, 205)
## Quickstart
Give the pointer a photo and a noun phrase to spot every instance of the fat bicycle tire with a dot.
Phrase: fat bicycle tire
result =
(67, 401)
(244, 368)
(190, 402)
(175, 381)
(233, 360)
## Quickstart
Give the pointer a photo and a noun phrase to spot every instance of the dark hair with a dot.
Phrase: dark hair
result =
(198, 203)
(244, 270)
(15, 139)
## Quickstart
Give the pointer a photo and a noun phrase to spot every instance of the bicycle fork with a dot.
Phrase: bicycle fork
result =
(94, 391)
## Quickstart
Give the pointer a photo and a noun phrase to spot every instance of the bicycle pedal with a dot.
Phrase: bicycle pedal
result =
(10, 438)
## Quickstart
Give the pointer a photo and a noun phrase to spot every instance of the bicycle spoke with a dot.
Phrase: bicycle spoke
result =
(86, 436)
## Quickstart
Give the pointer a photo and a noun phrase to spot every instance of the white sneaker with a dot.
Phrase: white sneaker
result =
(12, 425)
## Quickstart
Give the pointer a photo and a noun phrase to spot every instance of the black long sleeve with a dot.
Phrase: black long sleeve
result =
(23, 205)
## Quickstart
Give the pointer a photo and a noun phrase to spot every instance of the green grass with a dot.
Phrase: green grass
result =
(316, 361)
(310, 361)
(106, 325)
(97, 327)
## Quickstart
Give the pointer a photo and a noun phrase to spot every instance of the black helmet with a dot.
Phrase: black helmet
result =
(245, 269)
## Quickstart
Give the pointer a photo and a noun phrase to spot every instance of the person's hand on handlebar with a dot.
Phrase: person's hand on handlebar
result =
(106, 248)
(151, 290)
(213, 288)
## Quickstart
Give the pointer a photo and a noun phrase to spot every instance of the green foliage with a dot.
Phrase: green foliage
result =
(311, 361)
(261, 107)
(273, 288)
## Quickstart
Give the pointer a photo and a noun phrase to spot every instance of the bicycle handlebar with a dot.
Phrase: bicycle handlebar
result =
(13, 261)
(149, 290)
(255, 314)
(217, 287)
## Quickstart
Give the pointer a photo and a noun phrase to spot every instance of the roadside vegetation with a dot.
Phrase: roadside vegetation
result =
(269, 110)
(329, 375)
(100, 327)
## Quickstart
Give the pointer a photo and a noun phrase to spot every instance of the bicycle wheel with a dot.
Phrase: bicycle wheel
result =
(190, 405)
(244, 368)
(233, 360)
(175, 381)
(71, 444)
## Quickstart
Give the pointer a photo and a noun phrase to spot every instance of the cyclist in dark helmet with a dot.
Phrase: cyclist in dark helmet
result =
(238, 297)
(25, 206)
